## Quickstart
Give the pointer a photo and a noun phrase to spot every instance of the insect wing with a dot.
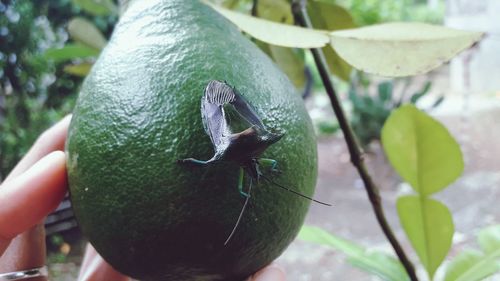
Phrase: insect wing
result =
(214, 122)
(245, 110)
(216, 95)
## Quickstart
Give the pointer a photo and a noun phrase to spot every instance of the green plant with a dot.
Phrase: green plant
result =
(27, 92)
(35, 88)
(370, 111)
(367, 12)
(469, 265)
(426, 156)
(57, 241)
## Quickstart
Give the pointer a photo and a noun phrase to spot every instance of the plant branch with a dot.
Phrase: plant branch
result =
(301, 17)
(255, 8)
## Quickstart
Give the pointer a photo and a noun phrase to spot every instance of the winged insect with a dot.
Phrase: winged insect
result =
(243, 148)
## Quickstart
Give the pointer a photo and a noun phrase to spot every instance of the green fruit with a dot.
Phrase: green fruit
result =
(139, 111)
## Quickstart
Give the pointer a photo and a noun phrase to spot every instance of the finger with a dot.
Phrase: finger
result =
(51, 140)
(94, 268)
(270, 273)
(90, 254)
(27, 199)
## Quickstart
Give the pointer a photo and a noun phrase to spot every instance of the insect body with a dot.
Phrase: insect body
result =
(243, 148)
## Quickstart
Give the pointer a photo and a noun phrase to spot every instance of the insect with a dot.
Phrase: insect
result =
(243, 148)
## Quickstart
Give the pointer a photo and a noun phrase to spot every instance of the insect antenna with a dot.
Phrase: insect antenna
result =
(293, 191)
(241, 213)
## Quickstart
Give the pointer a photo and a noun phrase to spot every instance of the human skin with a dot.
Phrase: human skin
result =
(33, 189)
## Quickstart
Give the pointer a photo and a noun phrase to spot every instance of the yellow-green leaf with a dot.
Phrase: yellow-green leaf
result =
(421, 150)
(70, 51)
(381, 264)
(471, 265)
(291, 63)
(489, 239)
(287, 59)
(81, 69)
(86, 33)
(276, 33)
(429, 226)
(330, 16)
(401, 49)
(275, 10)
(97, 7)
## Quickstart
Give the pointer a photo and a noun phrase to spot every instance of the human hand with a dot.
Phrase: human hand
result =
(32, 190)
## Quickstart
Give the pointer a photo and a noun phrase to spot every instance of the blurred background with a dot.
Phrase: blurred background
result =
(48, 46)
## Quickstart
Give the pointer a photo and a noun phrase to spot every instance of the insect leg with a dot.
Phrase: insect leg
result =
(192, 161)
(241, 213)
(240, 183)
(266, 162)
(196, 161)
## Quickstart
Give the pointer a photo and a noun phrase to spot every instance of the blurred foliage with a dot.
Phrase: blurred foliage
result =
(369, 111)
(372, 104)
(467, 265)
(324, 14)
(35, 91)
(367, 12)
(321, 18)
(332, 15)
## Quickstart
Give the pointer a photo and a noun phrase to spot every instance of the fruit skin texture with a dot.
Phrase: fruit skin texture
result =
(139, 111)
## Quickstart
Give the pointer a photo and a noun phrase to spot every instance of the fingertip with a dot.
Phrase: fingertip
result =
(272, 272)
(51, 140)
(28, 198)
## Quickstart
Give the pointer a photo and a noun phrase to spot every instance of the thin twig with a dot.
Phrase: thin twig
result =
(301, 17)
(255, 8)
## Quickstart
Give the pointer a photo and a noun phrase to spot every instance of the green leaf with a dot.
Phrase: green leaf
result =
(69, 52)
(288, 60)
(276, 33)
(97, 7)
(275, 10)
(415, 97)
(291, 63)
(378, 263)
(230, 4)
(81, 69)
(330, 16)
(385, 91)
(489, 239)
(86, 33)
(264, 47)
(471, 265)
(421, 150)
(320, 236)
(401, 49)
(429, 226)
